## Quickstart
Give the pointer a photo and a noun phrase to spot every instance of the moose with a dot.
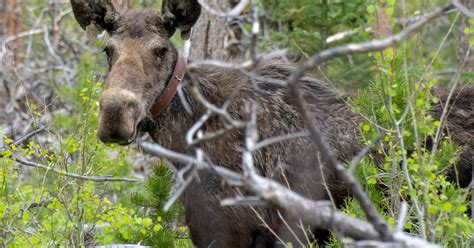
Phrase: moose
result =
(145, 70)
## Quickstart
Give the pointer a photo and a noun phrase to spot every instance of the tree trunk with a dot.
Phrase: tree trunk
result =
(214, 37)
(10, 24)
(465, 50)
(122, 5)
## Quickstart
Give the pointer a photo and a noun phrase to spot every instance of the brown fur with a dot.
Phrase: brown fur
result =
(460, 127)
(293, 163)
(137, 76)
(139, 71)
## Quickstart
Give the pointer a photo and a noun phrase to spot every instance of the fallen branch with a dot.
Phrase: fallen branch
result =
(318, 213)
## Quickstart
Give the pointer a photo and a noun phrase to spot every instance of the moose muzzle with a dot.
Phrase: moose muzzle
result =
(120, 112)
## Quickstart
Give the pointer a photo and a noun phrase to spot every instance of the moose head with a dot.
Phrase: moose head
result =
(143, 63)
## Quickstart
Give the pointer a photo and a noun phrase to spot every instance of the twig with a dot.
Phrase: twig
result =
(183, 185)
(251, 137)
(235, 12)
(402, 216)
(232, 177)
(23, 34)
(463, 8)
(196, 126)
(76, 176)
(24, 138)
(209, 106)
(254, 201)
(290, 229)
(356, 160)
(281, 138)
(203, 137)
(445, 113)
(246, 65)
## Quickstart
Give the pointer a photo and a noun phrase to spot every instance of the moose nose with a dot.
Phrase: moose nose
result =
(114, 126)
(113, 136)
(119, 116)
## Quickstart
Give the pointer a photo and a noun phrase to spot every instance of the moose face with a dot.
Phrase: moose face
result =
(141, 61)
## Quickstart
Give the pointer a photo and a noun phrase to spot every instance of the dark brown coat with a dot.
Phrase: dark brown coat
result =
(142, 59)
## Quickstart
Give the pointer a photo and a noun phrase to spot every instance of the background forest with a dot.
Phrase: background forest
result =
(60, 186)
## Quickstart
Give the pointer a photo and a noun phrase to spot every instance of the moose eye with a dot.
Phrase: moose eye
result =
(108, 51)
(160, 52)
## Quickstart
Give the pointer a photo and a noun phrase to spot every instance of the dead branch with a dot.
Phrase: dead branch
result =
(235, 12)
(319, 213)
(462, 8)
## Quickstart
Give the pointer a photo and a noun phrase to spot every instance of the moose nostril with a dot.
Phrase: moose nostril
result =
(116, 136)
(113, 137)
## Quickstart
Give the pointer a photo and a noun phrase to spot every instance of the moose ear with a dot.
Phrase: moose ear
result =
(181, 14)
(100, 13)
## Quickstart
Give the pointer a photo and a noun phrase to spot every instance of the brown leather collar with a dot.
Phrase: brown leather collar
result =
(164, 100)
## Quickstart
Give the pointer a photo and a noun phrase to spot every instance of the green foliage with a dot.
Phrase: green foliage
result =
(149, 202)
(39, 208)
(304, 26)
(397, 104)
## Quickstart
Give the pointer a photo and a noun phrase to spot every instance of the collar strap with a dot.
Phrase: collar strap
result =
(164, 100)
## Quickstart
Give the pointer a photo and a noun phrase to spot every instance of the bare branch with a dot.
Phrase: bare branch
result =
(72, 175)
(154, 149)
(23, 34)
(361, 154)
(209, 106)
(281, 138)
(23, 139)
(235, 12)
(319, 213)
(463, 9)
(183, 185)
(196, 126)
(244, 201)
(402, 216)
(328, 156)
(26, 137)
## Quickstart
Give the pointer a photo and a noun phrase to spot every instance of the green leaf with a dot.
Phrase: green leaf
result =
(147, 222)
(371, 181)
(448, 206)
(371, 9)
(157, 228)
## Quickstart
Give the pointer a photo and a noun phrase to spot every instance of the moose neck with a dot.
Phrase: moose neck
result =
(173, 120)
(176, 119)
(173, 81)
(230, 87)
